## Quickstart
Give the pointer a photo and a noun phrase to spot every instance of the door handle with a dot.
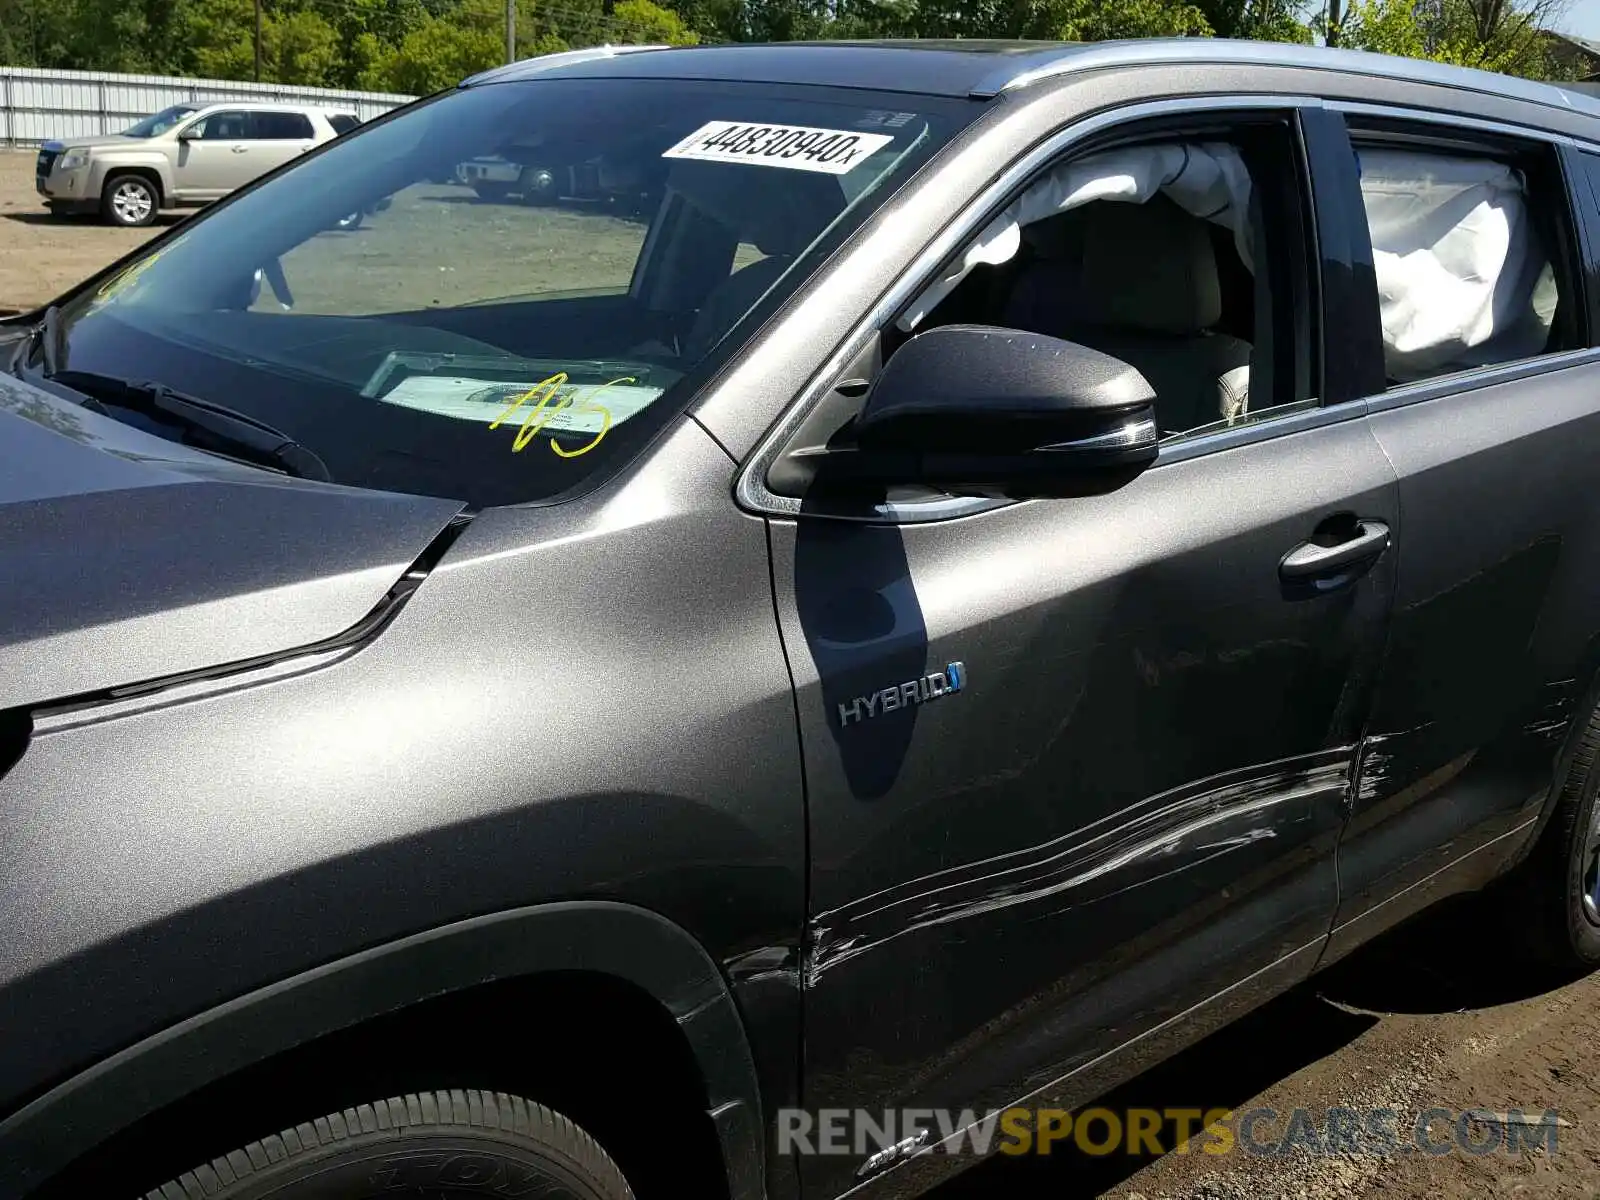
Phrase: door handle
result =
(1309, 558)
(240, 149)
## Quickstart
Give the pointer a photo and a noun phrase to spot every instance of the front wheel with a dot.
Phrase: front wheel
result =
(538, 185)
(456, 1143)
(129, 201)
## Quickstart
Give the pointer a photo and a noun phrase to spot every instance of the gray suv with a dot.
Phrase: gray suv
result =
(184, 155)
(1015, 555)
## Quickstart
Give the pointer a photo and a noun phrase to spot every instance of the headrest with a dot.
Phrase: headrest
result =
(1059, 237)
(1150, 267)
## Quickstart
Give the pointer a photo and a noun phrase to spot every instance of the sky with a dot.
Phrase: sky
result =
(1583, 19)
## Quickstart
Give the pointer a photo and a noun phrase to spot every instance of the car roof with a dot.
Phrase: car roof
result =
(275, 105)
(983, 69)
(931, 67)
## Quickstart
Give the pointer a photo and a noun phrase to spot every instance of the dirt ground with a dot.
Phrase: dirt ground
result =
(475, 251)
(1428, 1017)
(40, 256)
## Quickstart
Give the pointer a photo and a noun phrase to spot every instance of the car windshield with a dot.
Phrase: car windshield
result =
(157, 123)
(493, 294)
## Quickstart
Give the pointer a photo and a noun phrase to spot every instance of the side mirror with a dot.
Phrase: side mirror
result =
(189, 133)
(978, 410)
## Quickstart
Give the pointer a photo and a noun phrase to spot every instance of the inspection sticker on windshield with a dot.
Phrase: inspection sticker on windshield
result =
(484, 400)
(796, 147)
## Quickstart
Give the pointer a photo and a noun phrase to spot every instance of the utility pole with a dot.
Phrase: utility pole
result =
(258, 41)
(511, 30)
(1334, 17)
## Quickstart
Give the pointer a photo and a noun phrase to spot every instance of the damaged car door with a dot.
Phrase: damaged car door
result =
(1076, 766)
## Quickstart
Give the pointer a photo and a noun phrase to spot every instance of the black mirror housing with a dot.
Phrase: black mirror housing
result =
(981, 410)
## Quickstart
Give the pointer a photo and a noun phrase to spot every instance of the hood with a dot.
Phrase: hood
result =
(128, 558)
(90, 143)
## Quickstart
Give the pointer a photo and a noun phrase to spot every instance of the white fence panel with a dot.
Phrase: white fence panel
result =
(37, 105)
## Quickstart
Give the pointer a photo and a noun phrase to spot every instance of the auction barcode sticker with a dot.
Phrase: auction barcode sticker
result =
(796, 147)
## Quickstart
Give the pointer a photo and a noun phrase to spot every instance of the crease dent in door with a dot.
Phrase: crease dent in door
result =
(1145, 843)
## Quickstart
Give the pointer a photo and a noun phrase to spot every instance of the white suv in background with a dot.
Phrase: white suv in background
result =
(185, 155)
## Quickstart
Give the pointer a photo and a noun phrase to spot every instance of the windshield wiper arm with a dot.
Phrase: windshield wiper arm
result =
(47, 336)
(230, 431)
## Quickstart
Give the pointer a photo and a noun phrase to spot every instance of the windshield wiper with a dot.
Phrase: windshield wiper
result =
(228, 431)
(231, 431)
(46, 335)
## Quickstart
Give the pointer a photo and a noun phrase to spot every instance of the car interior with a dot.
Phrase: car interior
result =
(1148, 283)
(226, 126)
(1152, 284)
(780, 213)
(1118, 252)
(690, 287)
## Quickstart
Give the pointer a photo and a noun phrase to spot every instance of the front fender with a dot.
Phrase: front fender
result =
(581, 702)
(619, 940)
(101, 169)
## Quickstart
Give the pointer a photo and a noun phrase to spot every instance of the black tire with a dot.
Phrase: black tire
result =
(130, 201)
(455, 1143)
(492, 193)
(1547, 893)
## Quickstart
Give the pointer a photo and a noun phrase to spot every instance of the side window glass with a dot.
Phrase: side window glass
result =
(225, 127)
(343, 123)
(1185, 257)
(282, 126)
(1467, 251)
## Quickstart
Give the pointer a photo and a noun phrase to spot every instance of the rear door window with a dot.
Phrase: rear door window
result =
(1472, 249)
(282, 126)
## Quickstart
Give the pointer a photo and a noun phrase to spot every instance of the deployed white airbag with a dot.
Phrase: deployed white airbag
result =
(1462, 278)
(1207, 180)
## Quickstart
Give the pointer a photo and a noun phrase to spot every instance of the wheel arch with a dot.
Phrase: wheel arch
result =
(626, 943)
(1585, 702)
(147, 171)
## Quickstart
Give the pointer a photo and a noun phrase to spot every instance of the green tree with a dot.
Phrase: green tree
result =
(440, 52)
(303, 48)
(1261, 20)
(365, 30)
(1103, 20)
(1492, 35)
(643, 22)
(35, 33)
(298, 44)
(221, 41)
